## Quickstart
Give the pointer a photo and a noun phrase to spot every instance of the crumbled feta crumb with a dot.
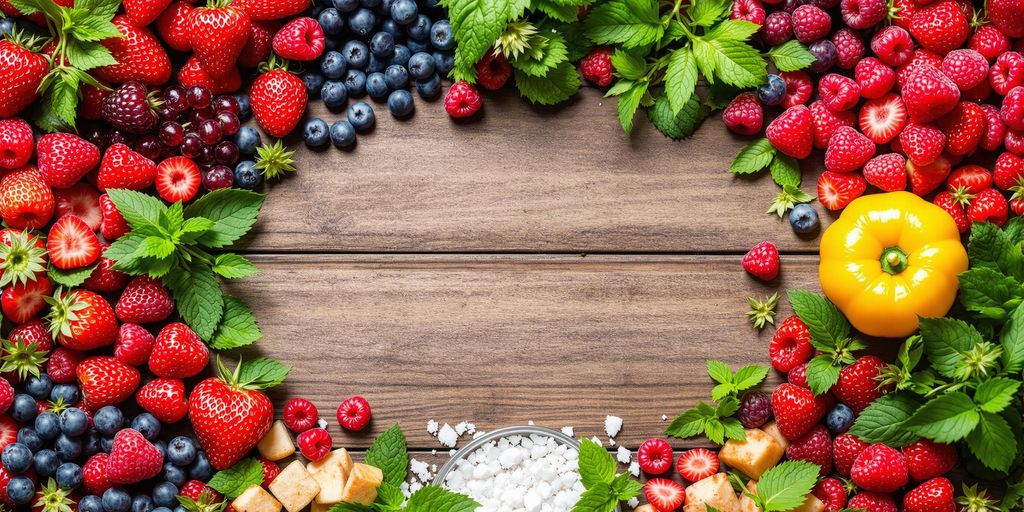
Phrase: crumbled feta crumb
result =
(664, 417)
(433, 468)
(432, 427)
(322, 422)
(633, 503)
(596, 441)
(478, 434)
(623, 455)
(612, 425)
(611, 442)
(433, 452)
(569, 431)
(421, 470)
(531, 423)
(451, 453)
(460, 428)
(634, 469)
(447, 436)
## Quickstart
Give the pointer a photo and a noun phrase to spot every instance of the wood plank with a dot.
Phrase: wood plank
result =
(522, 179)
(501, 339)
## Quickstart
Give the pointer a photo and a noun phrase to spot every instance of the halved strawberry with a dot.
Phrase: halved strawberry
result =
(882, 119)
(664, 494)
(178, 179)
(926, 178)
(81, 200)
(837, 190)
(22, 302)
(697, 464)
(72, 244)
(8, 431)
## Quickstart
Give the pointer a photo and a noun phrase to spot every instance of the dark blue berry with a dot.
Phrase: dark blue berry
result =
(369, 3)
(331, 45)
(361, 22)
(109, 420)
(401, 56)
(441, 35)
(421, 65)
(182, 450)
(334, 94)
(345, 5)
(67, 448)
(69, 475)
(116, 499)
(29, 437)
(773, 91)
(315, 134)
(244, 106)
(161, 447)
(330, 21)
(90, 504)
(247, 176)
(333, 65)
(48, 426)
(17, 458)
(91, 443)
(361, 115)
(165, 494)
(6, 27)
(21, 490)
(356, 54)
(343, 134)
(23, 410)
(68, 392)
(404, 12)
(74, 422)
(107, 443)
(383, 8)
(174, 474)
(825, 55)
(142, 503)
(376, 64)
(430, 88)
(419, 28)
(376, 86)
(162, 509)
(313, 83)
(201, 468)
(248, 139)
(839, 419)
(400, 103)
(804, 219)
(355, 83)
(396, 30)
(39, 386)
(45, 463)
(443, 62)
(417, 45)
(397, 77)
(148, 425)
(382, 44)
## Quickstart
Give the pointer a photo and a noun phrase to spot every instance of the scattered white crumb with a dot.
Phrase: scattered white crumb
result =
(634, 469)
(433, 452)
(611, 442)
(664, 417)
(432, 427)
(633, 503)
(596, 441)
(464, 427)
(531, 423)
(623, 455)
(569, 431)
(322, 422)
(451, 453)
(421, 470)
(478, 433)
(433, 468)
(612, 425)
(447, 436)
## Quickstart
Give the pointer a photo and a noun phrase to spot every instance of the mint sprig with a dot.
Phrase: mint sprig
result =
(731, 384)
(604, 487)
(830, 335)
(785, 486)
(233, 481)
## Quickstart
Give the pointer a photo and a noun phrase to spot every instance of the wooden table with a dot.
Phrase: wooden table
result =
(530, 265)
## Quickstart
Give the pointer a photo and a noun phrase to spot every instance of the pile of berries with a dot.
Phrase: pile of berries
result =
(302, 417)
(655, 458)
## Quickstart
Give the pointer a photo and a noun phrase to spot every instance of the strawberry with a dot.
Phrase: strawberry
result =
(178, 179)
(927, 459)
(1006, 16)
(901, 12)
(134, 344)
(192, 74)
(940, 27)
(836, 190)
(354, 413)
(26, 202)
(832, 493)
(791, 132)
(72, 244)
(144, 301)
(791, 345)
(989, 42)
(969, 178)
(880, 468)
(955, 204)
(815, 447)
(838, 92)
(314, 443)
(113, 226)
(144, 12)
(1007, 72)
(94, 474)
(1008, 173)
(33, 331)
(655, 456)
(106, 381)
(21, 302)
(178, 353)
(272, 9)
(82, 201)
(858, 383)
(133, 458)
(887, 172)
(278, 101)
(270, 471)
(995, 130)
(63, 365)
(229, 417)
(989, 205)
(874, 78)
(301, 39)
(762, 261)
(845, 449)
(164, 398)
(826, 122)
(123, 168)
(929, 94)
(194, 490)
(966, 68)
(664, 494)
(173, 28)
(744, 115)
(697, 464)
(82, 320)
(16, 143)
(799, 88)
(219, 31)
(848, 150)
(922, 143)
(1012, 111)
(22, 256)
(810, 23)
(935, 495)
(882, 119)
(926, 178)
(260, 44)
(964, 128)
(140, 57)
(797, 410)
(872, 502)
(893, 45)
(21, 73)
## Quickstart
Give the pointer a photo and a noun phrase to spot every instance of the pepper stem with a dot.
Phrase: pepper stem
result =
(893, 260)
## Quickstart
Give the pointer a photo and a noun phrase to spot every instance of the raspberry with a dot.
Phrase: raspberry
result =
(315, 443)
(839, 93)
(354, 413)
(811, 23)
(655, 456)
(874, 77)
(1007, 73)
(300, 415)
(849, 48)
(1012, 111)
(744, 115)
(462, 100)
(995, 130)
(798, 88)
(893, 45)
(989, 42)
(798, 376)
(748, 10)
(778, 28)
(597, 67)
(863, 14)
(493, 71)
(755, 409)
(966, 68)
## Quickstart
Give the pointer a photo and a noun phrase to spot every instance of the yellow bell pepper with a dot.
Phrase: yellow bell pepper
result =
(890, 258)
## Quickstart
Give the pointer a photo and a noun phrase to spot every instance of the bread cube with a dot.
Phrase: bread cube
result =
(277, 444)
(294, 487)
(772, 429)
(256, 499)
(811, 504)
(645, 508)
(754, 455)
(362, 485)
(713, 491)
(331, 473)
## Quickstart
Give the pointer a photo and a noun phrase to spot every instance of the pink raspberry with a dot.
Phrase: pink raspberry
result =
(744, 115)
(893, 45)
(597, 67)
(811, 23)
(838, 92)
(748, 10)
(778, 28)
(462, 100)
(799, 88)
(874, 77)
(966, 68)
(849, 48)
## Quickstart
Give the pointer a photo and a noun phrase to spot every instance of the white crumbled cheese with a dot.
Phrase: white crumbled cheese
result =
(433, 452)
(433, 468)
(519, 474)
(664, 417)
(447, 436)
(531, 423)
(420, 470)
(597, 441)
(451, 453)
(612, 425)
(623, 455)
(633, 503)
(322, 422)
(478, 434)
(432, 427)
(569, 431)
(611, 442)
(634, 469)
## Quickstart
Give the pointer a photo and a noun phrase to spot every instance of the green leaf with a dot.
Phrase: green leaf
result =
(706, 57)
(102, 9)
(476, 25)
(787, 485)
(70, 278)
(719, 371)
(350, 507)
(733, 429)
(595, 499)
(389, 498)
(754, 157)
(681, 125)
(945, 419)
(624, 488)
(198, 297)
(705, 13)
(945, 340)
(1012, 340)
(823, 319)
(986, 291)
(785, 171)
(881, 422)
(233, 266)
(155, 247)
(235, 480)
(629, 65)
(822, 374)
(596, 465)
(432, 498)
(995, 394)
(681, 77)
(790, 56)
(263, 373)
(138, 209)
(554, 53)
(733, 31)
(750, 376)
(630, 23)
(993, 442)
(567, 13)
(233, 212)
(122, 250)
(238, 327)
(687, 425)
(557, 86)
(990, 247)
(390, 453)
(737, 63)
(86, 55)
(628, 104)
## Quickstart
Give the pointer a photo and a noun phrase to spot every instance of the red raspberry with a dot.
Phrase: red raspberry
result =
(462, 100)
(799, 88)
(832, 493)
(995, 130)
(300, 415)
(597, 67)
(134, 344)
(755, 409)
(966, 68)
(270, 471)
(16, 143)
(655, 456)
(811, 23)
(989, 205)
(63, 364)
(1014, 142)
(762, 261)
(790, 345)
(927, 459)
(848, 150)
(887, 172)
(845, 449)
(194, 489)
(748, 10)
(493, 71)
(315, 443)
(989, 41)
(777, 29)
(798, 376)
(1007, 73)
(880, 468)
(863, 14)
(6, 395)
(744, 115)
(826, 122)
(1012, 111)
(792, 132)
(849, 48)
(354, 413)
(815, 447)
(838, 92)
(893, 45)
(873, 502)
(920, 57)
(978, 94)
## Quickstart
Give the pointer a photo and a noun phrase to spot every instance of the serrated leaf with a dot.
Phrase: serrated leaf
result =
(1012, 340)
(881, 422)
(476, 25)
(786, 486)
(629, 65)
(750, 376)
(233, 481)
(628, 104)
(70, 278)
(738, 64)
(631, 23)
(732, 30)
(719, 371)
(687, 425)
(562, 12)
(554, 53)
(263, 373)
(138, 209)
(821, 374)
(945, 340)
(945, 419)
(785, 171)
(993, 442)
(233, 212)
(390, 454)
(680, 78)
(753, 158)
(826, 324)
(233, 266)
(791, 56)
(995, 394)
(560, 84)
(705, 13)
(86, 55)
(198, 298)
(681, 125)
(238, 328)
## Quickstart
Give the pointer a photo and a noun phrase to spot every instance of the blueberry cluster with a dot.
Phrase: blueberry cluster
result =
(380, 49)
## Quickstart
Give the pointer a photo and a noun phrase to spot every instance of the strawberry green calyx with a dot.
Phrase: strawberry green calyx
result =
(205, 503)
(518, 39)
(22, 358)
(53, 498)
(274, 160)
(29, 42)
(57, 406)
(762, 312)
(259, 374)
(980, 362)
(217, 4)
(21, 260)
(275, 63)
(63, 308)
(975, 500)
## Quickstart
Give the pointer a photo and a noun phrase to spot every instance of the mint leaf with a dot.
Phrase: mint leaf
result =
(596, 465)
(821, 374)
(390, 454)
(233, 481)
(680, 78)
(1012, 340)
(233, 212)
(681, 125)
(754, 157)
(263, 373)
(995, 394)
(551, 53)
(595, 499)
(630, 23)
(750, 376)
(823, 319)
(567, 12)
(790, 56)
(628, 104)
(350, 507)
(629, 65)
(733, 31)
(987, 292)
(785, 171)
(233, 266)
(990, 247)
(945, 341)
(719, 371)
(198, 297)
(945, 419)
(437, 499)
(737, 63)
(786, 486)
(560, 84)
(687, 425)
(86, 55)
(993, 442)
(389, 498)
(705, 13)
(238, 327)
(138, 209)
(476, 25)
(70, 278)
(881, 422)
(624, 488)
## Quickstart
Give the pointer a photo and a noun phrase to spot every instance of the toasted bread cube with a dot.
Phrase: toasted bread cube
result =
(277, 444)
(713, 491)
(645, 508)
(362, 485)
(256, 499)
(294, 487)
(331, 473)
(811, 504)
(772, 429)
(754, 455)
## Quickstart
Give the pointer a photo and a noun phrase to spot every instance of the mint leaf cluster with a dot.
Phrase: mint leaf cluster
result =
(785, 486)
(233, 481)
(176, 244)
(785, 170)
(830, 336)
(716, 420)
(731, 384)
(604, 487)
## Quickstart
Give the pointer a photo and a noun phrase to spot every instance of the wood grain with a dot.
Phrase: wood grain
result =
(502, 339)
(522, 179)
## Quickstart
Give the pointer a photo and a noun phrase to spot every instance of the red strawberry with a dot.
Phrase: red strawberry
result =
(1006, 15)
(195, 489)
(858, 383)
(33, 331)
(838, 92)
(762, 261)
(874, 78)
(655, 456)
(493, 70)
(920, 58)
(63, 364)
(272, 9)
(301, 39)
(1007, 72)
(887, 172)
(260, 44)
(165, 399)
(826, 122)
(799, 88)
(94, 474)
(1008, 172)
(815, 447)
(133, 458)
(832, 493)
(192, 74)
(872, 502)
(836, 190)
(106, 381)
(114, 226)
(664, 494)
(278, 102)
(173, 26)
(845, 449)
(82, 320)
(229, 417)
(178, 353)
(955, 204)
(964, 128)
(791, 345)
(16, 143)
(970, 178)
(926, 178)
(880, 468)
(144, 12)
(72, 244)
(989, 42)
(744, 115)
(8, 427)
(123, 168)
(929, 94)
(966, 68)
(140, 57)
(21, 73)
(927, 459)
(270, 471)
(935, 495)
(220, 31)
(883, 119)
(354, 413)
(791, 132)
(134, 344)
(144, 301)
(21, 302)
(940, 27)
(697, 464)
(848, 150)
(82, 201)
(178, 179)
(893, 45)
(26, 202)
(989, 205)
(922, 143)
(797, 410)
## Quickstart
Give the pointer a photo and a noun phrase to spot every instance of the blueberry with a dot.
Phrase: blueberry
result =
(68, 392)
(74, 422)
(330, 21)
(334, 94)
(416, 46)
(314, 10)
(45, 463)
(69, 475)
(773, 91)
(331, 45)
(91, 443)
(21, 490)
(419, 29)
(376, 86)
(39, 386)
(116, 499)
(108, 420)
(396, 30)
(29, 437)
(200, 469)
(421, 65)
(244, 106)
(148, 425)
(174, 474)
(142, 503)
(355, 82)
(247, 176)
(343, 134)
(441, 35)
(48, 426)
(804, 219)
(6, 26)
(165, 494)
(401, 56)
(397, 77)
(361, 115)
(162, 509)
(430, 88)
(182, 450)
(90, 504)
(361, 22)
(313, 83)
(404, 11)
(314, 133)
(67, 448)
(247, 139)
(443, 62)
(400, 103)
(161, 447)
(376, 64)
(370, 3)
(839, 419)
(383, 7)
(382, 44)
(23, 409)
(356, 54)
(107, 443)
(346, 5)
(17, 458)
(825, 55)
(333, 65)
